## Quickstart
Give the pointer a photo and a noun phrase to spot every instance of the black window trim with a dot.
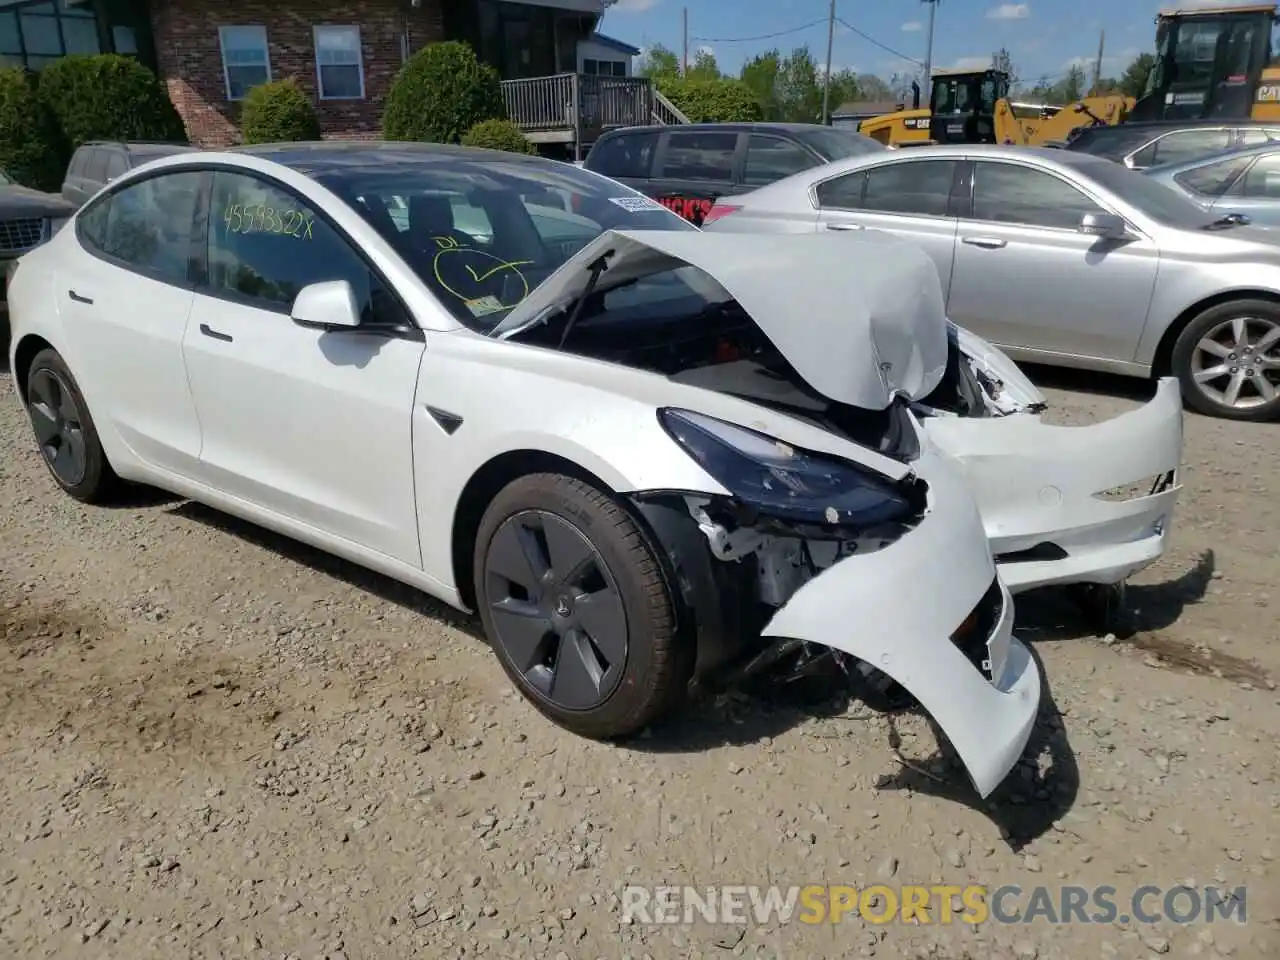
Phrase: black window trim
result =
(1103, 205)
(866, 170)
(197, 263)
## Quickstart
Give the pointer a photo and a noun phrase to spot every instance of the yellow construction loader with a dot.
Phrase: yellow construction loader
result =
(1211, 62)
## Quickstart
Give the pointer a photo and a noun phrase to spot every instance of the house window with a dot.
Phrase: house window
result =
(36, 34)
(339, 64)
(245, 61)
(604, 68)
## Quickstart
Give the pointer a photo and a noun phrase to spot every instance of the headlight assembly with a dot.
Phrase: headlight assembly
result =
(782, 481)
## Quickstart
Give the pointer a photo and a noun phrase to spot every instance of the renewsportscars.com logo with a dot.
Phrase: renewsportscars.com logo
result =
(935, 904)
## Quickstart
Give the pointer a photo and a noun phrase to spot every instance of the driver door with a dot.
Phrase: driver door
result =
(311, 425)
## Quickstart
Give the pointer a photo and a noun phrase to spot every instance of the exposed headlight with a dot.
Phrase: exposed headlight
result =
(782, 481)
(56, 224)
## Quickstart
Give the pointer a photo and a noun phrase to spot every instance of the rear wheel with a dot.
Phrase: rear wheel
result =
(576, 607)
(1228, 360)
(65, 431)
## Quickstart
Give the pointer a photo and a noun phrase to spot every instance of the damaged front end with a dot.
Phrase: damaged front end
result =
(1061, 505)
(811, 562)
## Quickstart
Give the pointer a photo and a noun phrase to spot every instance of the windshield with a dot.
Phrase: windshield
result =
(482, 232)
(1166, 207)
(836, 144)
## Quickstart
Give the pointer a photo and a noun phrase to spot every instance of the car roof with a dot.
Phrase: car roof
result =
(331, 157)
(764, 126)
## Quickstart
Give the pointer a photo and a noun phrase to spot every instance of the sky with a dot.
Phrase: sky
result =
(1044, 37)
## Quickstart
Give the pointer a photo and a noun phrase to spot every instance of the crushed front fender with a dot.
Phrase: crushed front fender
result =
(900, 609)
(1053, 498)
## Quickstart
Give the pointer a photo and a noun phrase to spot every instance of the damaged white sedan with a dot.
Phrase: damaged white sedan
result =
(610, 434)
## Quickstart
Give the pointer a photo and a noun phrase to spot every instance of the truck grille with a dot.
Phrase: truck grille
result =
(19, 236)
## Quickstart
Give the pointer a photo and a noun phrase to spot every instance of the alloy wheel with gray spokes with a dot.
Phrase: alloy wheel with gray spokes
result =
(56, 420)
(577, 606)
(1237, 362)
(556, 609)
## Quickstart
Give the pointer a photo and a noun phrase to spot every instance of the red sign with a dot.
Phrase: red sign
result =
(692, 209)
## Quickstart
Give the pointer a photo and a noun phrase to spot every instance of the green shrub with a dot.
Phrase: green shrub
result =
(440, 93)
(32, 150)
(108, 97)
(278, 112)
(712, 101)
(498, 135)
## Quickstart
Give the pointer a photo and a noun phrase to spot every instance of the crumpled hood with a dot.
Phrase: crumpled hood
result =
(861, 319)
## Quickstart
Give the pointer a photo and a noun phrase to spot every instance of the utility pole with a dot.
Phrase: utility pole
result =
(684, 69)
(928, 43)
(1097, 67)
(826, 86)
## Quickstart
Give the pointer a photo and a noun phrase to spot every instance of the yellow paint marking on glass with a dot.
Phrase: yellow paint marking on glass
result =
(261, 218)
(479, 273)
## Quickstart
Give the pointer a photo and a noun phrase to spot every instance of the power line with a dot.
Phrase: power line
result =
(872, 40)
(763, 36)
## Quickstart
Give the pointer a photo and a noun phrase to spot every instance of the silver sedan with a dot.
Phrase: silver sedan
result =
(1245, 181)
(1063, 259)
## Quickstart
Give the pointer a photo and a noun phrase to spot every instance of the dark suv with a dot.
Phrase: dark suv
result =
(97, 163)
(1140, 145)
(687, 167)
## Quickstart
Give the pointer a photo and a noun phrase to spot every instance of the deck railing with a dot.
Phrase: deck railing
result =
(585, 104)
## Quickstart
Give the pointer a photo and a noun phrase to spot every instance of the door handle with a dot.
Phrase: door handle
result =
(987, 243)
(208, 331)
(845, 226)
(79, 299)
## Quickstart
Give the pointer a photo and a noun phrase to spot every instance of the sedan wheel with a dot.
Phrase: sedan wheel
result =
(556, 609)
(577, 608)
(65, 431)
(1228, 359)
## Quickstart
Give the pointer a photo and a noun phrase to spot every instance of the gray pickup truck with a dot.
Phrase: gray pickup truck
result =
(27, 219)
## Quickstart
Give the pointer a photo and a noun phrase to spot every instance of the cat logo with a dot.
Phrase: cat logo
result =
(1270, 93)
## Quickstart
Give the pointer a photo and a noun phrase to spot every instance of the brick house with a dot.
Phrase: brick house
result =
(345, 53)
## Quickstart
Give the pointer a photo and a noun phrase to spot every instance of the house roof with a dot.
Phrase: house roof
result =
(626, 48)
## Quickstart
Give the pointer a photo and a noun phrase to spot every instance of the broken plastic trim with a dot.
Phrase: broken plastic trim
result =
(783, 481)
(1146, 487)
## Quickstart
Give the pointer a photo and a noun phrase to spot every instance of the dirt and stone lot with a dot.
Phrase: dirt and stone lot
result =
(219, 744)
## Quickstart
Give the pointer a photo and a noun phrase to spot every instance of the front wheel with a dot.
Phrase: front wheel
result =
(1228, 361)
(576, 607)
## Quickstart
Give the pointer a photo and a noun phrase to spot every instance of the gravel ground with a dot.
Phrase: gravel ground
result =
(220, 744)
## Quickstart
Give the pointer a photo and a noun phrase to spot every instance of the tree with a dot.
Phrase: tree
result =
(278, 111)
(32, 149)
(498, 135)
(799, 95)
(1003, 61)
(658, 61)
(875, 89)
(108, 97)
(1073, 84)
(704, 67)
(1133, 82)
(711, 101)
(760, 76)
(844, 87)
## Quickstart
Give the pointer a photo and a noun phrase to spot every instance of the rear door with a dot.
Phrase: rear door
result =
(910, 198)
(770, 158)
(1025, 276)
(1256, 194)
(696, 167)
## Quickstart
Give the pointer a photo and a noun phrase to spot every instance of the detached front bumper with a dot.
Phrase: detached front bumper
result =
(1053, 499)
(910, 610)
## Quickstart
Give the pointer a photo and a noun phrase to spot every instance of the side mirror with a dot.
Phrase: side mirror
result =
(1105, 225)
(329, 305)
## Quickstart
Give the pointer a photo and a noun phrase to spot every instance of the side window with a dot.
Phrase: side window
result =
(1214, 179)
(700, 155)
(842, 193)
(1007, 193)
(96, 166)
(117, 165)
(146, 226)
(1263, 179)
(625, 155)
(772, 158)
(1189, 144)
(914, 187)
(265, 245)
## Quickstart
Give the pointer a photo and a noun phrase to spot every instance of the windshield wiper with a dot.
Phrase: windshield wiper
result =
(597, 266)
(1227, 222)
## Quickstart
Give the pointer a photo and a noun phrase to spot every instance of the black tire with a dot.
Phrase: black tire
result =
(643, 678)
(67, 415)
(1188, 359)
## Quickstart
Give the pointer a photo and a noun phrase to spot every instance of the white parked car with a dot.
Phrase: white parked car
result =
(640, 462)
